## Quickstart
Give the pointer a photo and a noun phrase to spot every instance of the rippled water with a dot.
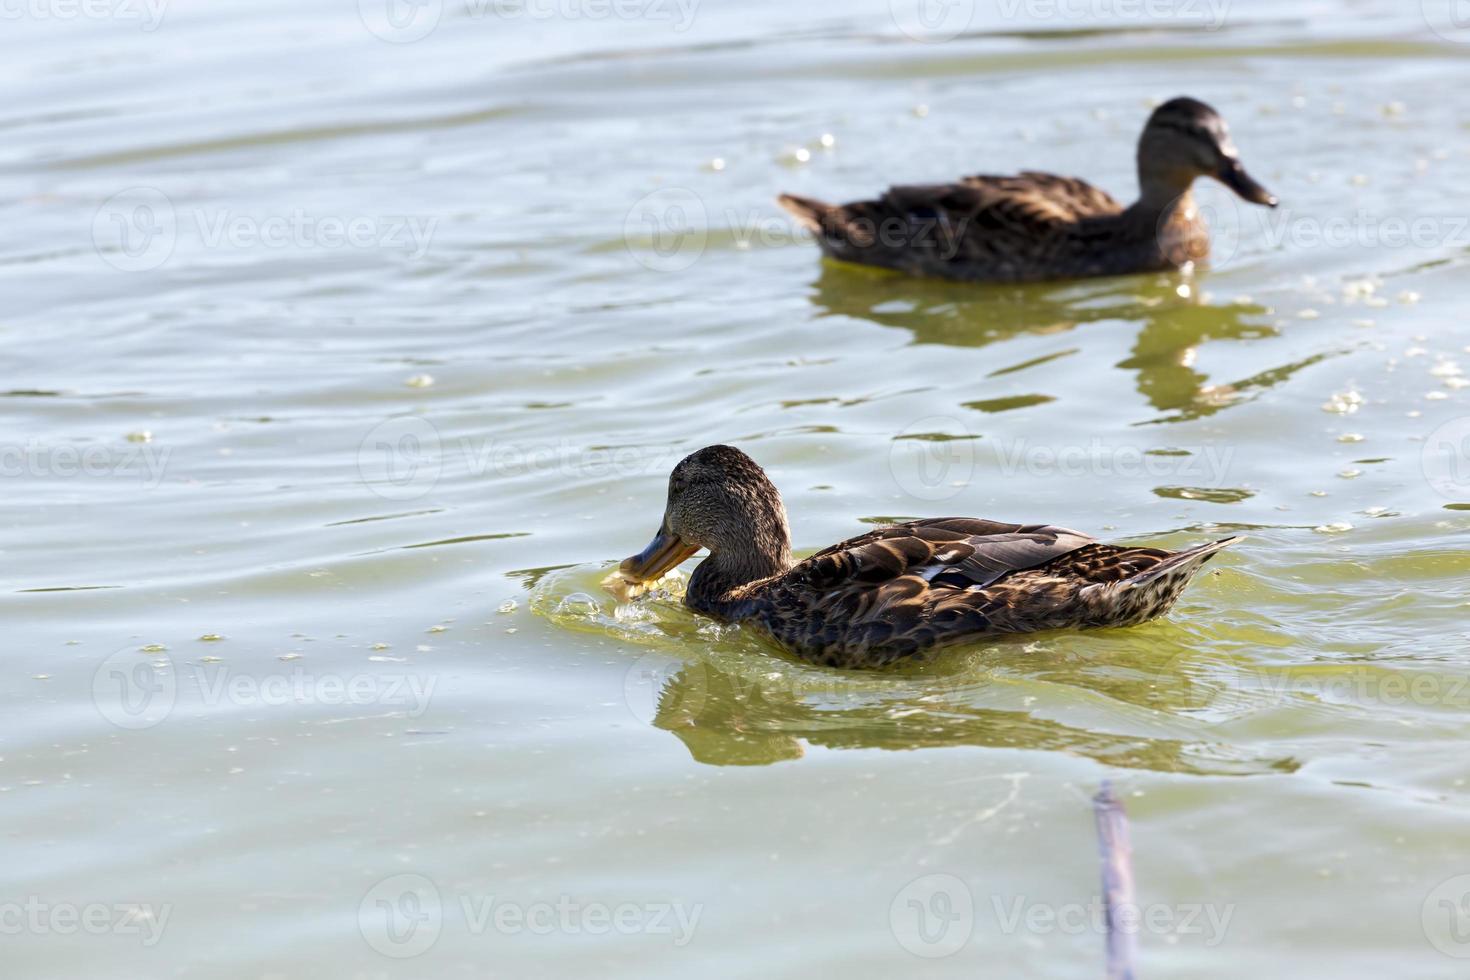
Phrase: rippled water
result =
(344, 352)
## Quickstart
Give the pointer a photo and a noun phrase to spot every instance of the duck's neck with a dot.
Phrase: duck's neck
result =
(1159, 197)
(1162, 183)
(721, 581)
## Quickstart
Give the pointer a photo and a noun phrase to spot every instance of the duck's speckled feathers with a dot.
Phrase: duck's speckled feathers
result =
(998, 228)
(960, 552)
(899, 591)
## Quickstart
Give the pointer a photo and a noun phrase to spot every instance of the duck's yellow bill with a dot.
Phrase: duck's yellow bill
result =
(664, 552)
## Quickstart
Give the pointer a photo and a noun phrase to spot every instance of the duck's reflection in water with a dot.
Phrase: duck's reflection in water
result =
(748, 716)
(1173, 321)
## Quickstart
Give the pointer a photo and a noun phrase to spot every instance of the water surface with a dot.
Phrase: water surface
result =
(339, 368)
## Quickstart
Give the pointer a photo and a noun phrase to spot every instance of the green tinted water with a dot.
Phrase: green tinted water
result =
(340, 369)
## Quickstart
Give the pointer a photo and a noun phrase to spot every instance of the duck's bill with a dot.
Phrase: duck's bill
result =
(1233, 176)
(665, 551)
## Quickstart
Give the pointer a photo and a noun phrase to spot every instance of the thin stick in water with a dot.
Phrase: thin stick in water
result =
(1116, 850)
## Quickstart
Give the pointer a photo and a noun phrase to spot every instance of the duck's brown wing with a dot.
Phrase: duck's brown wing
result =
(1042, 199)
(1099, 564)
(950, 552)
(899, 590)
(985, 227)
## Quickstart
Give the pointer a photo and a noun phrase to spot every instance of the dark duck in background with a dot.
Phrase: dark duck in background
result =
(1037, 226)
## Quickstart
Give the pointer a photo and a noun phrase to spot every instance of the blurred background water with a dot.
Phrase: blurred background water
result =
(346, 344)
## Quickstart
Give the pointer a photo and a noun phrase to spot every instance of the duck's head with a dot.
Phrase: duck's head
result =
(1185, 139)
(721, 500)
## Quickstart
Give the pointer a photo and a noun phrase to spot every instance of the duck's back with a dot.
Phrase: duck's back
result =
(896, 591)
(899, 591)
(1047, 197)
(1019, 228)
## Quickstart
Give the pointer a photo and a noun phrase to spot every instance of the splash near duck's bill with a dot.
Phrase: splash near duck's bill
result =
(1232, 174)
(665, 551)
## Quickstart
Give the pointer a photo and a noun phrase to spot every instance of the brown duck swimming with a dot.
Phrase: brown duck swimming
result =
(896, 592)
(1037, 226)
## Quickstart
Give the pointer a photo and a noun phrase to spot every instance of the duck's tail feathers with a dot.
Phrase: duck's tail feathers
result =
(808, 211)
(1182, 565)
